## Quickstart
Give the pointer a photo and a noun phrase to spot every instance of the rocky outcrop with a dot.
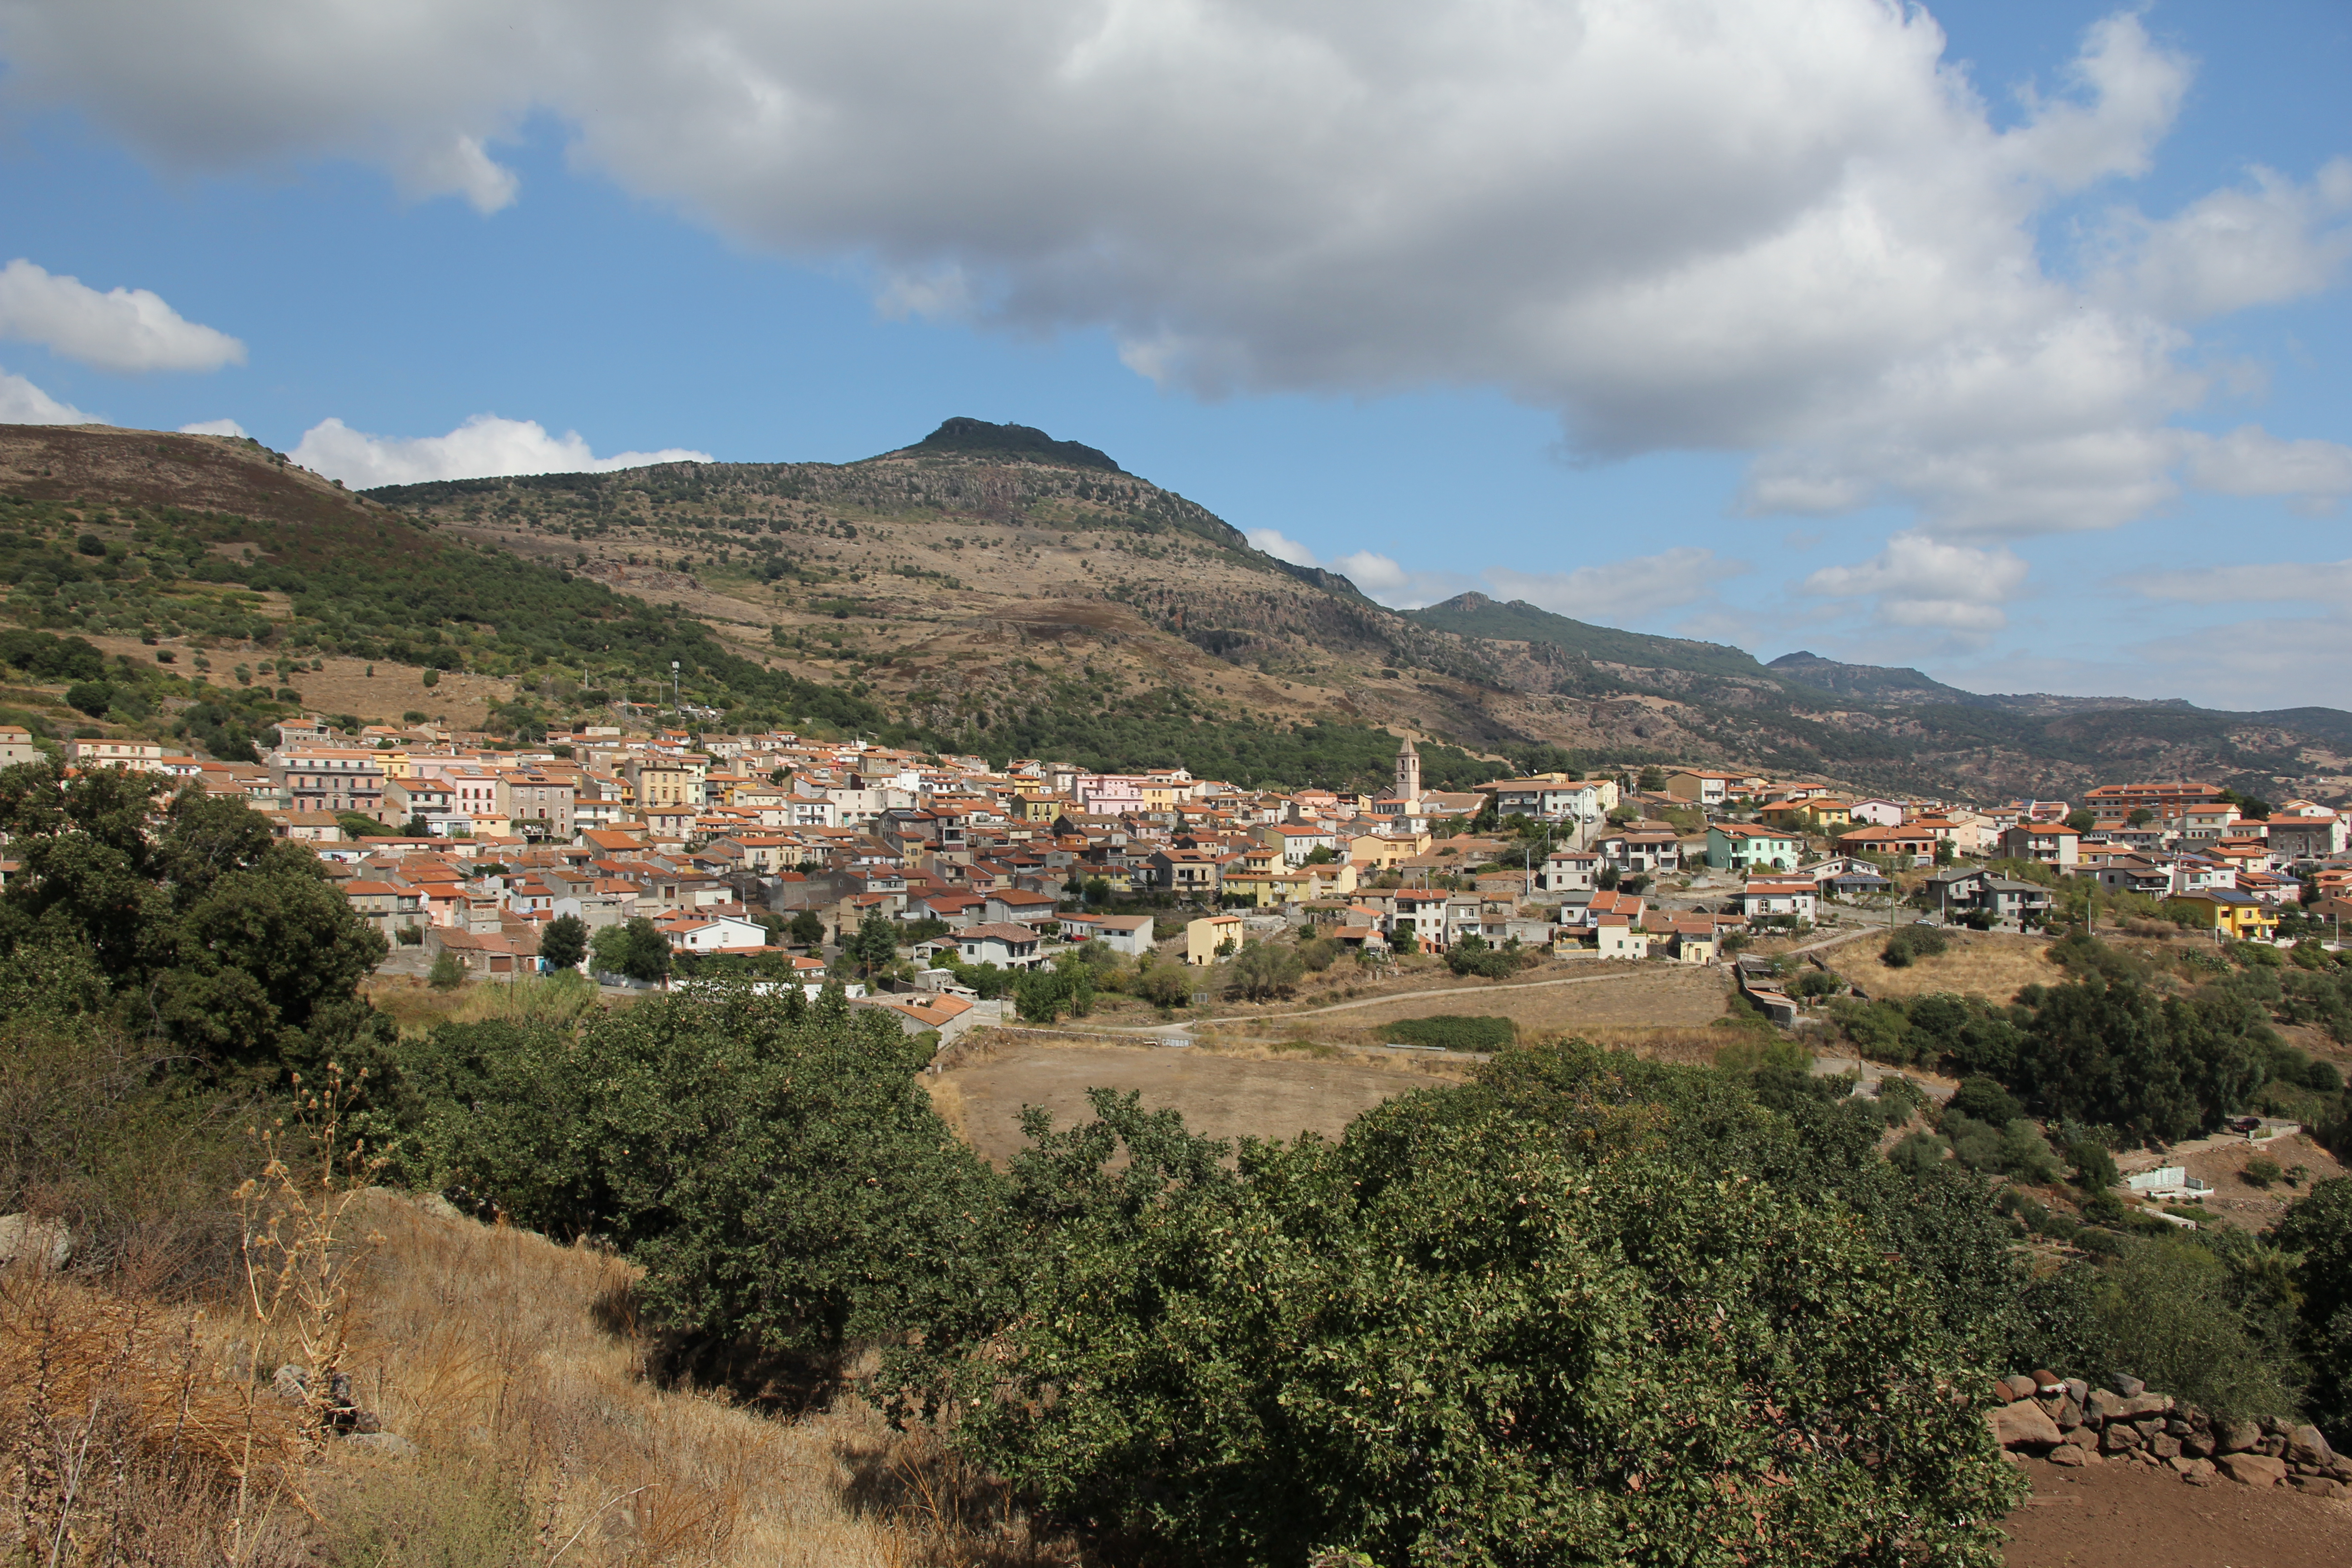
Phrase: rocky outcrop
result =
(2072, 1424)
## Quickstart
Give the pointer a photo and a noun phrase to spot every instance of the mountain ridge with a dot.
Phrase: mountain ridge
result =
(987, 595)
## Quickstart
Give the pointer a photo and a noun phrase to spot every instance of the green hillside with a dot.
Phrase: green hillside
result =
(1476, 616)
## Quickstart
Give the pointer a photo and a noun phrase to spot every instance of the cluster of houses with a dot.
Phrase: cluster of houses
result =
(721, 840)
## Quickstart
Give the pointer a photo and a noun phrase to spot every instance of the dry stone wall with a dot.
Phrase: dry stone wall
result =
(2068, 1422)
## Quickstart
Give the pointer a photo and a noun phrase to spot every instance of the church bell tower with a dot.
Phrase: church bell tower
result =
(1407, 775)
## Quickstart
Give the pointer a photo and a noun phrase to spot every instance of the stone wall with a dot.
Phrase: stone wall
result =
(2068, 1422)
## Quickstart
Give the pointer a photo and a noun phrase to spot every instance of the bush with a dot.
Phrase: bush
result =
(1911, 943)
(1264, 970)
(1986, 1100)
(1166, 984)
(2262, 1172)
(1454, 1032)
(2094, 1167)
(2168, 1308)
(1470, 955)
(447, 972)
(1366, 1347)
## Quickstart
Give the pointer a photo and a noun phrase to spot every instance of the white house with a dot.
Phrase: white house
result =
(1783, 896)
(1569, 871)
(712, 934)
(1004, 945)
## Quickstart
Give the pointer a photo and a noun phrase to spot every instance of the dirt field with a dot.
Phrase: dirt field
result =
(1590, 1000)
(2135, 1516)
(1224, 1096)
(2236, 1199)
(1993, 964)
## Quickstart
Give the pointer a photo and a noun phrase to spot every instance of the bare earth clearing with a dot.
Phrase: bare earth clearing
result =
(1220, 1094)
(1648, 996)
(2135, 1516)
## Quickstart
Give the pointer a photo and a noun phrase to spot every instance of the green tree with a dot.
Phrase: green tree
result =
(230, 942)
(874, 944)
(775, 1168)
(637, 949)
(1455, 1337)
(1263, 969)
(448, 974)
(564, 942)
(2317, 1232)
(806, 929)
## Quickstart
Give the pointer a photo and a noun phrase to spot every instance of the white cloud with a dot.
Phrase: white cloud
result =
(2258, 245)
(122, 329)
(2326, 582)
(460, 168)
(1282, 547)
(1620, 591)
(1789, 227)
(1922, 583)
(2250, 462)
(483, 447)
(1398, 587)
(22, 402)
(214, 427)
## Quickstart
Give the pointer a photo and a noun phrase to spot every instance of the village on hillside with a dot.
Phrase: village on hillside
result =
(768, 853)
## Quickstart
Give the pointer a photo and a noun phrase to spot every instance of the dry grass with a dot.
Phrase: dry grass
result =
(416, 1007)
(1259, 1089)
(1992, 964)
(512, 1366)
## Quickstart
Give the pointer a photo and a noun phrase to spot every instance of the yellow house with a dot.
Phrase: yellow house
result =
(1793, 813)
(1260, 884)
(2230, 912)
(1041, 807)
(1335, 880)
(1204, 936)
(1385, 852)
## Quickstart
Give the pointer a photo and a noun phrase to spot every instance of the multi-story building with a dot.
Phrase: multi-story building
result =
(330, 780)
(538, 805)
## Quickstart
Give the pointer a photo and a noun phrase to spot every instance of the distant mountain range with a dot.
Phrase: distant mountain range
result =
(990, 587)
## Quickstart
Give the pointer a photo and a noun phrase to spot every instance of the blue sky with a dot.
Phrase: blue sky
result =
(2004, 340)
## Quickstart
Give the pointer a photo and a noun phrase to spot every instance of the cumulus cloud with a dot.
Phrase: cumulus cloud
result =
(2250, 462)
(483, 447)
(122, 329)
(1785, 227)
(2267, 242)
(1281, 546)
(1621, 590)
(1400, 587)
(1922, 582)
(22, 402)
(2326, 582)
(214, 427)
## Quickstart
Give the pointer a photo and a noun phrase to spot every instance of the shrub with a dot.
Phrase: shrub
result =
(1986, 1100)
(447, 972)
(2262, 1172)
(1166, 984)
(2168, 1308)
(1911, 943)
(1470, 955)
(1264, 970)
(1365, 1347)
(1454, 1032)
